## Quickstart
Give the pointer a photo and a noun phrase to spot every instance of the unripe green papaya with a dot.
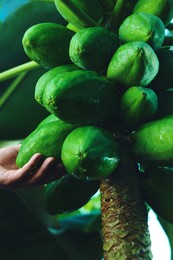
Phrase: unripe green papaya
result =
(143, 27)
(161, 8)
(46, 139)
(137, 105)
(47, 77)
(48, 44)
(80, 96)
(92, 48)
(90, 153)
(133, 64)
(81, 13)
(50, 118)
(14, 25)
(153, 141)
(68, 194)
(163, 79)
(158, 191)
(165, 103)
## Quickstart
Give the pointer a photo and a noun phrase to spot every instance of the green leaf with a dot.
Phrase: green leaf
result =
(25, 234)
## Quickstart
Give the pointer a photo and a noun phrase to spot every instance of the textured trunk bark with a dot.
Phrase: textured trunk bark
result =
(124, 215)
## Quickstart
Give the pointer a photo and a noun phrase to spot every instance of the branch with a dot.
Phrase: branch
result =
(8, 74)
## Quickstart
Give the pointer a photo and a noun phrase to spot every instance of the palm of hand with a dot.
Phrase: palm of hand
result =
(30, 174)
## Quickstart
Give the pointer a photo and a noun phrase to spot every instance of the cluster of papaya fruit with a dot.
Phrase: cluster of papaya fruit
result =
(108, 71)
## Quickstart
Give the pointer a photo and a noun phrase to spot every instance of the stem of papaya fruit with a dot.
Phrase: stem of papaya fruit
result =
(18, 69)
(109, 4)
(117, 15)
(7, 94)
(124, 215)
(122, 9)
(84, 18)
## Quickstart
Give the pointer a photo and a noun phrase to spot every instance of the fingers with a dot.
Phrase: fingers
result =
(31, 165)
(11, 178)
(34, 173)
(35, 178)
(56, 171)
(17, 147)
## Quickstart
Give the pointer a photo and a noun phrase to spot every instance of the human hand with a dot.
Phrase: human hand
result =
(30, 174)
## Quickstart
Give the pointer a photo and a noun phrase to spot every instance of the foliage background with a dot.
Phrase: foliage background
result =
(26, 230)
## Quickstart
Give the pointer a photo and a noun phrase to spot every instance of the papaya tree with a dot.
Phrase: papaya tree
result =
(101, 79)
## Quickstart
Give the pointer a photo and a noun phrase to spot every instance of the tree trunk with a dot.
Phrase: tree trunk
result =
(124, 215)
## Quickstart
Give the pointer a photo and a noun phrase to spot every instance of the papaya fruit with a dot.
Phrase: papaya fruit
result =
(48, 44)
(165, 103)
(92, 48)
(163, 79)
(153, 141)
(157, 186)
(50, 118)
(68, 194)
(133, 64)
(46, 139)
(81, 13)
(143, 27)
(15, 25)
(20, 114)
(47, 77)
(90, 153)
(80, 96)
(137, 106)
(162, 9)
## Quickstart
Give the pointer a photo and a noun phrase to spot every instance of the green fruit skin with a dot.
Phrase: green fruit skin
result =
(68, 194)
(90, 153)
(162, 9)
(143, 27)
(81, 13)
(46, 139)
(20, 106)
(47, 77)
(48, 44)
(163, 79)
(49, 119)
(92, 48)
(153, 141)
(137, 106)
(81, 97)
(165, 103)
(158, 191)
(133, 64)
(14, 26)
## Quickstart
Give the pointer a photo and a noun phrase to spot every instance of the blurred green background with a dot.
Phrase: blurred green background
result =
(26, 230)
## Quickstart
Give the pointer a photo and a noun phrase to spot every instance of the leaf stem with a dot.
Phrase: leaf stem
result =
(8, 74)
(117, 15)
(82, 18)
(11, 89)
